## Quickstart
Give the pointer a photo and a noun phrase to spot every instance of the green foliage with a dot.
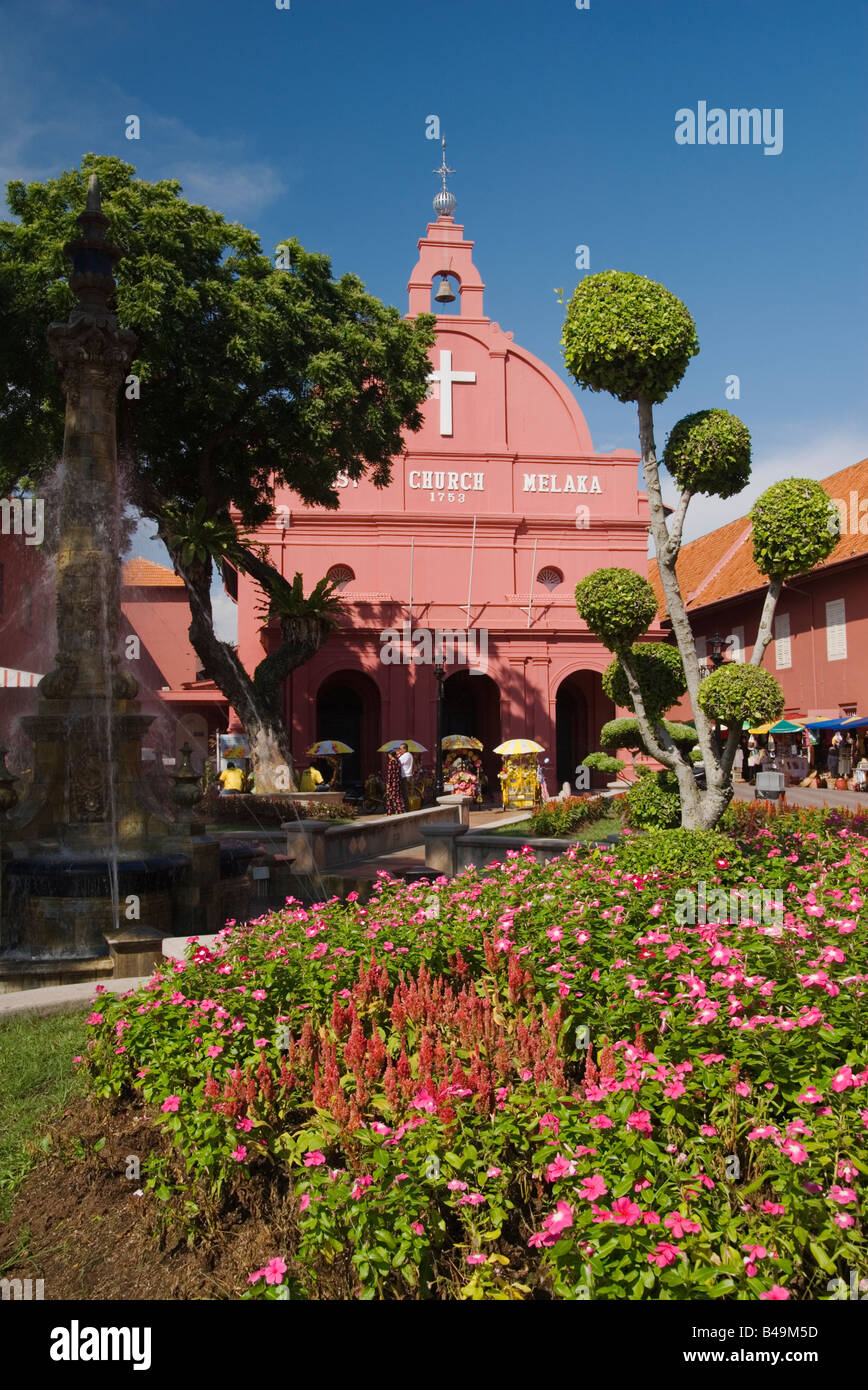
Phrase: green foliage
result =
(653, 801)
(699, 854)
(251, 376)
(627, 335)
(624, 733)
(794, 528)
(557, 818)
(709, 452)
(602, 762)
(736, 691)
(660, 673)
(287, 603)
(617, 605)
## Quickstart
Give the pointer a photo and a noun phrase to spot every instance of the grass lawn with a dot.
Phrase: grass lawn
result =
(37, 1079)
(596, 830)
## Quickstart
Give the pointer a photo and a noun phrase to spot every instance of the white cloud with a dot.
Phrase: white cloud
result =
(815, 458)
(225, 614)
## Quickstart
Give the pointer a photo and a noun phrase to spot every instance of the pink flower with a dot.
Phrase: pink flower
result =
(742, 1089)
(417, 1227)
(476, 1259)
(640, 1122)
(664, 1254)
(775, 1293)
(680, 1225)
(171, 1103)
(239, 1153)
(526, 1075)
(810, 1096)
(626, 1212)
(473, 1199)
(493, 1172)
(842, 1079)
(244, 1125)
(603, 1122)
(593, 1187)
(379, 1128)
(560, 1219)
(425, 1101)
(359, 1186)
(275, 1270)
(773, 1208)
(305, 1202)
(844, 1196)
(214, 1050)
(455, 1185)
(314, 1159)
(561, 1168)
(94, 1019)
(549, 1121)
(708, 1130)
(843, 1219)
(796, 1152)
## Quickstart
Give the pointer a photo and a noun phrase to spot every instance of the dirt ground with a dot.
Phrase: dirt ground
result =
(78, 1224)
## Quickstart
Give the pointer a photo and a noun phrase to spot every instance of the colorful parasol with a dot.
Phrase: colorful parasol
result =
(457, 742)
(787, 726)
(518, 745)
(394, 743)
(328, 748)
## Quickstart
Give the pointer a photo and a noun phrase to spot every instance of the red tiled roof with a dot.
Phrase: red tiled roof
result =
(145, 574)
(720, 565)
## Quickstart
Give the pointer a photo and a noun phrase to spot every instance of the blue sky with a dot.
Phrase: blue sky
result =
(560, 125)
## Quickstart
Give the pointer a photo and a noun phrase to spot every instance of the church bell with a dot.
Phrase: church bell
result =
(444, 294)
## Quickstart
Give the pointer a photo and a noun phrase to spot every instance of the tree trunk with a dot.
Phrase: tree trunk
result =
(259, 715)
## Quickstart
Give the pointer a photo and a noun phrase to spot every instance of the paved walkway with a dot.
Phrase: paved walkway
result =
(53, 999)
(808, 796)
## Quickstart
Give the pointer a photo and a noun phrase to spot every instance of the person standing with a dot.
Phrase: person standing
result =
(405, 760)
(394, 785)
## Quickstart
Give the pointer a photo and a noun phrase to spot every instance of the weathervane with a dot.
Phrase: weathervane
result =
(445, 202)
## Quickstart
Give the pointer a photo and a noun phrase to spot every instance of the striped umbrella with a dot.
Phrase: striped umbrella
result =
(394, 743)
(518, 745)
(455, 742)
(328, 748)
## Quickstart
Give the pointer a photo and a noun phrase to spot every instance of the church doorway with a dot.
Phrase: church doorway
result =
(471, 705)
(581, 709)
(348, 710)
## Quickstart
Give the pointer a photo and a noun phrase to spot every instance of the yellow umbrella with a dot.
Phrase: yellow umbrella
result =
(329, 747)
(412, 746)
(454, 742)
(519, 745)
(763, 728)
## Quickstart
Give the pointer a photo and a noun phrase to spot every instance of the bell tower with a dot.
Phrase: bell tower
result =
(445, 256)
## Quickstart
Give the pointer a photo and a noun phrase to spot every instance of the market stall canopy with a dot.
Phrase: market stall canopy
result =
(832, 724)
(394, 743)
(518, 745)
(787, 726)
(329, 747)
(457, 742)
(855, 721)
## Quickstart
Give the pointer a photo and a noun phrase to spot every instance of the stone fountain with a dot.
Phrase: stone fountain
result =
(90, 860)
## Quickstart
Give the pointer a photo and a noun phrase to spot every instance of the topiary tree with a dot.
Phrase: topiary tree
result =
(661, 676)
(603, 762)
(631, 337)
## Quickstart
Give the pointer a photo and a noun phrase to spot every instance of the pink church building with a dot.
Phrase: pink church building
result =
(498, 507)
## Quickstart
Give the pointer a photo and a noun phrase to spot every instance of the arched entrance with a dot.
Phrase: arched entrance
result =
(581, 709)
(471, 705)
(348, 710)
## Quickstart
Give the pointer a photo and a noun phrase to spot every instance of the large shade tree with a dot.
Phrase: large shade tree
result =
(252, 373)
(631, 337)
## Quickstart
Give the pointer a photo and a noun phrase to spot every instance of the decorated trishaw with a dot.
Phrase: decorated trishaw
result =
(519, 778)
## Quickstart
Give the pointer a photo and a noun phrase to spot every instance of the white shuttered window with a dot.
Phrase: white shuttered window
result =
(836, 631)
(783, 645)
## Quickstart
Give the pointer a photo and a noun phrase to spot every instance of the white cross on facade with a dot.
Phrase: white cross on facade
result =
(445, 377)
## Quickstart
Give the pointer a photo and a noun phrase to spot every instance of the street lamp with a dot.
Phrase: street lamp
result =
(717, 644)
(439, 673)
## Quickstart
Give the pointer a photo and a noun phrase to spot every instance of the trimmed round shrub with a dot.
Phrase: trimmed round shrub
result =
(660, 672)
(601, 762)
(624, 733)
(627, 335)
(736, 692)
(683, 852)
(793, 527)
(653, 802)
(709, 452)
(617, 604)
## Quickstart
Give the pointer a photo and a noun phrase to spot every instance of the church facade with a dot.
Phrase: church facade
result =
(468, 558)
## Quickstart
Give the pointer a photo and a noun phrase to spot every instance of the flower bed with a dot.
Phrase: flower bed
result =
(532, 1080)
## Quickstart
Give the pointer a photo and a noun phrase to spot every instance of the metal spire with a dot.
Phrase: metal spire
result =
(445, 202)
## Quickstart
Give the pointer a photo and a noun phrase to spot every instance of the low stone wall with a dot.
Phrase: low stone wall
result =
(315, 845)
(449, 849)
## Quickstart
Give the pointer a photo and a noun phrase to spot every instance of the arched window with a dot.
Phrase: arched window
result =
(550, 577)
(340, 576)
